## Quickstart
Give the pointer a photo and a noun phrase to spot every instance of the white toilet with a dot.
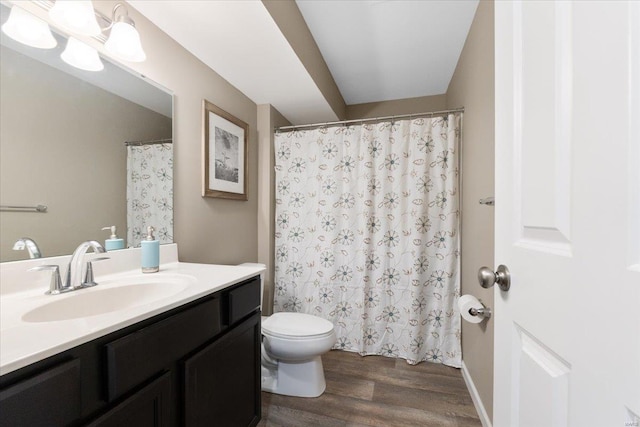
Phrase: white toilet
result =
(292, 344)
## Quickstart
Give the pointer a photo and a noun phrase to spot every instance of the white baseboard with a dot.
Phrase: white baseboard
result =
(477, 402)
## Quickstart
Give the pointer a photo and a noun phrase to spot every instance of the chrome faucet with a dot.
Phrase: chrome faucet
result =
(30, 245)
(75, 274)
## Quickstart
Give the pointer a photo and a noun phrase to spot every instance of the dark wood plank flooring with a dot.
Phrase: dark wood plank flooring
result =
(377, 391)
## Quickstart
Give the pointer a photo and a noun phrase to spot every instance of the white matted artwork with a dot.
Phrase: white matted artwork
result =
(225, 154)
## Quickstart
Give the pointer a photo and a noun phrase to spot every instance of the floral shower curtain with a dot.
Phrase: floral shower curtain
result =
(367, 234)
(149, 192)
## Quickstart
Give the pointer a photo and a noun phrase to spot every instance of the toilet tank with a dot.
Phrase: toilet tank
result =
(254, 264)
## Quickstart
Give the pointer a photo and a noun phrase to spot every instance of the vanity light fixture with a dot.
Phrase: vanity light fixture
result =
(81, 55)
(76, 16)
(124, 40)
(80, 18)
(28, 29)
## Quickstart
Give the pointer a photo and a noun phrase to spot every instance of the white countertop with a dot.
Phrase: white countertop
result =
(23, 342)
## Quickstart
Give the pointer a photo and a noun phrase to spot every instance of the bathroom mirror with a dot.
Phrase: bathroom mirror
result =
(62, 145)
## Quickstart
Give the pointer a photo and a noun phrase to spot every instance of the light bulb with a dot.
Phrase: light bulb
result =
(81, 55)
(124, 43)
(28, 29)
(76, 16)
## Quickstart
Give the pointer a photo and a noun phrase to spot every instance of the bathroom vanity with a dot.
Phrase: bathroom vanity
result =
(191, 358)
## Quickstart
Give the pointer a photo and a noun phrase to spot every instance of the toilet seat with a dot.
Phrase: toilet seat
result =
(296, 326)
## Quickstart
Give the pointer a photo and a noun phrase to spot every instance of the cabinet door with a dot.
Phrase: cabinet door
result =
(51, 398)
(150, 407)
(222, 381)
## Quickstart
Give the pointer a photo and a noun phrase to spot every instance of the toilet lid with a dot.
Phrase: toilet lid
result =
(296, 325)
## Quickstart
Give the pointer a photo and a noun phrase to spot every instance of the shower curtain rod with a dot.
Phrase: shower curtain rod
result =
(373, 119)
(155, 141)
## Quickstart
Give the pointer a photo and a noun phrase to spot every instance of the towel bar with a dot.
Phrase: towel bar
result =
(38, 208)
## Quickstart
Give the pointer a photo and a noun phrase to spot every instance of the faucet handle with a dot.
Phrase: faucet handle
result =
(55, 285)
(88, 277)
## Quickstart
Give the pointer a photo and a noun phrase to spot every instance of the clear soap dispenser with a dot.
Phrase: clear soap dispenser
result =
(150, 252)
(113, 242)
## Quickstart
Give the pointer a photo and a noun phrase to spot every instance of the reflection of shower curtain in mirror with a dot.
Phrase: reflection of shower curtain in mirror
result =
(149, 192)
(367, 234)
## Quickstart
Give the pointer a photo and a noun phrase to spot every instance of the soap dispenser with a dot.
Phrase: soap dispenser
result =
(150, 252)
(113, 242)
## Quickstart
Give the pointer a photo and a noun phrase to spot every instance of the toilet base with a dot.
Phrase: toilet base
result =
(303, 379)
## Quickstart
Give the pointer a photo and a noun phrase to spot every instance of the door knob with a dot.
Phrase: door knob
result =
(502, 277)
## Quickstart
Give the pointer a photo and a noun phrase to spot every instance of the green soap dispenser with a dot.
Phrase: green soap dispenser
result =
(113, 242)
(150, 252)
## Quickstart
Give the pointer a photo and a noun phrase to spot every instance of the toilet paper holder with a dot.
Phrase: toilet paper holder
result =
(484, 312)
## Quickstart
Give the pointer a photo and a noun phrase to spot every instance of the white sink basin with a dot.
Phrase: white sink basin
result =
(107, 297)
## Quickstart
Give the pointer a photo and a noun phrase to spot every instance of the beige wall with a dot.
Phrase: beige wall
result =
(207, 230)
(268, 119)
(472, 86)
(416, 105)
(62, 145)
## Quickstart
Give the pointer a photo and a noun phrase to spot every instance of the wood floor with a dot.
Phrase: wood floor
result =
(377, 391)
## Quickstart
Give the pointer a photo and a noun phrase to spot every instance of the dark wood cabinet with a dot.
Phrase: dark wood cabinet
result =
(195, 365)
(49, 398)
(129, 360)
(225, 397)
(150, 407)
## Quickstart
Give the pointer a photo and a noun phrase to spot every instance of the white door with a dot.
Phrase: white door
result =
(567, 333)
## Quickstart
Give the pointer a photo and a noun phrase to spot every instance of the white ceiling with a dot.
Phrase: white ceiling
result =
(376, 50)
(241, 42)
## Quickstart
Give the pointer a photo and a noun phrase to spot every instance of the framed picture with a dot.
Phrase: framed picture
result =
(225, 154)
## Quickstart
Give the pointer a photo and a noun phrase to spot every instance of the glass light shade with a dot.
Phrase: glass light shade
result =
(81, 55)
(124, 43)
(28, 29)
(76, 16)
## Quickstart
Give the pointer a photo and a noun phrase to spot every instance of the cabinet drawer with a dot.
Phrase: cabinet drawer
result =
(243, 300)
(138, 356)
(50, 399)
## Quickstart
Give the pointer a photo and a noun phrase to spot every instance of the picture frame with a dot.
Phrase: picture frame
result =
(225, 154)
